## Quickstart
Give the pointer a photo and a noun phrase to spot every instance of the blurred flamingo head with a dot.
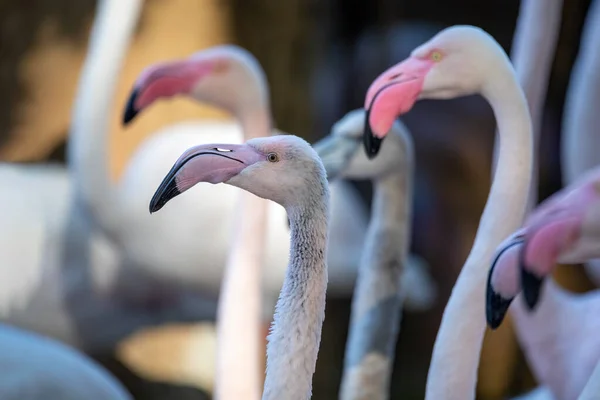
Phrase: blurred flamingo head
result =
(227, 77)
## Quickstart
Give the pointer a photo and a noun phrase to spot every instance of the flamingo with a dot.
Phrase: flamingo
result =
(35, 367)
(287, 170)
(237, 354)
(462, 60)
(381, 287)
(562, 360)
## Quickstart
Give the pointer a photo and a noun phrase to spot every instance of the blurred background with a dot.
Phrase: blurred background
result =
(319, 57)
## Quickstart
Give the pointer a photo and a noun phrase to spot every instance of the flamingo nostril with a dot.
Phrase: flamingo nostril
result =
(398, 75)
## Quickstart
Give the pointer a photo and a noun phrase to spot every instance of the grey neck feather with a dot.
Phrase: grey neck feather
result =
(296, 331)
(377, 301)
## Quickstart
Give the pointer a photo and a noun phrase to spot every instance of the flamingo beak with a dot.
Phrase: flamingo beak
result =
(163, 81)
(500, 294)
(392, 94)
(130, 109)
(212, 163)
(546, 239)
(530, 283)
(335, 152)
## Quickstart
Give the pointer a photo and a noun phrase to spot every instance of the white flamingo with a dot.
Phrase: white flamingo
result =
(560, 358)
(382, 284)
(287, 170)
(463, 60)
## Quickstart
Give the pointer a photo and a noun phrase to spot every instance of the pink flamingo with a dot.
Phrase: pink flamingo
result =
(560, 352)
(458, 61)
(287, 170)
(237, 355)
(534, 44)
(565, 228)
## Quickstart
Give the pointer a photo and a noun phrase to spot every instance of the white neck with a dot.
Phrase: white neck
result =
(377, 299)
(453, 369)
(90, 127)
(296, 331)
(238, 374)
(532, 54)
(580, 122)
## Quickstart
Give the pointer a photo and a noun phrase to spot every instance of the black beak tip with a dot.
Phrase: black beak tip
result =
(162, 196)
(130, 111)
(496, 306)
(532, 286)
(371, 143)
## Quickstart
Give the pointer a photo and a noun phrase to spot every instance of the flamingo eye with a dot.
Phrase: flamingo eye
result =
(272, 157)
(436, 56)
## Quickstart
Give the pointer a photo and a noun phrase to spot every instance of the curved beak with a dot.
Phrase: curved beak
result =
(531, 284)
(130, 109)
(335, 152)
(502, 282)
(547, 237)
(162, 81)
(392, 94)
(212, 163)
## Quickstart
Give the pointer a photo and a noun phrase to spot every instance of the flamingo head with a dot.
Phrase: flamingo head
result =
(525, 259)
(225, 76)
(455, 62)
(281, 168)
(341, 152)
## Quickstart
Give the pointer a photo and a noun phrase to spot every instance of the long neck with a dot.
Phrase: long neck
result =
(453, 369)
(88, 139)
(533, 48)
(533, 51)
(239, 369)
(377, 300)
(296, 331)
(580, 121)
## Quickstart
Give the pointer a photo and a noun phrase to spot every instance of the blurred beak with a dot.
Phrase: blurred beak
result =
(130, 109)
(164, 80)
(335, 152)
(392, 94)
(213, 163)
(496, 304)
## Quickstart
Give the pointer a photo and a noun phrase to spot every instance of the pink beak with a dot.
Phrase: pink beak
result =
(392, 94)
(213, 163)
(163, 81)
